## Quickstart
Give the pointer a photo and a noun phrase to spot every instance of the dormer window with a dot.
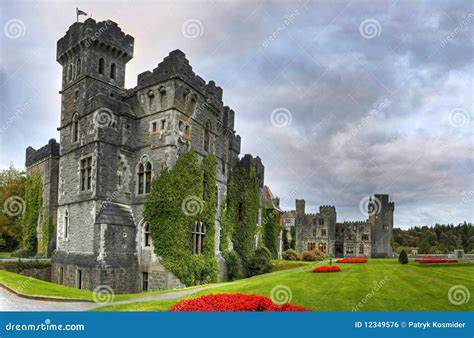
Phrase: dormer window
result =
(112, 71)
(101, 65)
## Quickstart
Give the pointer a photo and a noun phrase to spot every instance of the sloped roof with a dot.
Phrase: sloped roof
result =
(113, 213)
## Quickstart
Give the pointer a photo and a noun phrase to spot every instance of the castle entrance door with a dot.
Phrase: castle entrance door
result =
(339, 250)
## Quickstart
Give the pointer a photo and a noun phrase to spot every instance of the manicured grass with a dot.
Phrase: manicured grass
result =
(279, 265)
(5, 254)
(35, 287)
(411, 287)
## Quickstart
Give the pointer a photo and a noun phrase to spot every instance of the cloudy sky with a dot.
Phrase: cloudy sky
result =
(340, 99)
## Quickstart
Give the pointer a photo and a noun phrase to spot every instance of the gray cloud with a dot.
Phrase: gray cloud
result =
(368, 115)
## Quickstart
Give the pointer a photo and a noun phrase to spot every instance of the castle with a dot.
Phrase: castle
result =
(321, 231)
(114, 141)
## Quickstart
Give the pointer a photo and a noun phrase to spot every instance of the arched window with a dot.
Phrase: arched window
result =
(199, 230)
(70, 73)
(78, 67)
(144, 178)
(146, 234)
(75, 128)
(112, 71)
(66, 224)
(101, 65)
(147, 178)
(207, 136)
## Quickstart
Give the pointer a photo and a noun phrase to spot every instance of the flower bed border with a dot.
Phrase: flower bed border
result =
(327, 268)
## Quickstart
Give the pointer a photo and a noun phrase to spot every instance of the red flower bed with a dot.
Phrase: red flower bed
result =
(235, 302)
(436, 260)
(352, 260)
(327, 268)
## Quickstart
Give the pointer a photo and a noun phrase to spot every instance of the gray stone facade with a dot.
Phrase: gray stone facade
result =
(321, 231)
(113, 142)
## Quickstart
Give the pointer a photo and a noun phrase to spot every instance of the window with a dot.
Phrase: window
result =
(361, 248)
(311, 246)
(322, 247)
(78, 67)
(199, 231)
(86, 173)
(223, 167)
(385, 227)
(314, 231)
(75, 128)
(112, 71)
(217, 197)
(146, 234)
(147, 178)
(144, 281)
(205, 194)
(76, 95)
(101, 65)
(323, 232)
(163, 124)
(350, 249)
(180, 126)
(321, 221)
(66, 224)
(144, 178)
(240, 212)
(70, 73)
(350, 237)
(79, 279)
(186, 131)
(207, 136)
(365, 237)
(61, 275)
(153, 127)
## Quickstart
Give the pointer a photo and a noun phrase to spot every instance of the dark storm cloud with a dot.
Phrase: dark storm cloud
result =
(368, 115)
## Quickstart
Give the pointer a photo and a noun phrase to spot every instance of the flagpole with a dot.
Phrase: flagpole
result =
(77, 15)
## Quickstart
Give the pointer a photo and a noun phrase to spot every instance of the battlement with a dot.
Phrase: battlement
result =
(33, 156)
(104, 34)
(177, 65)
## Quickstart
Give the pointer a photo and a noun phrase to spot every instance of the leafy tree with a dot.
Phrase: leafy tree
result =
(12, 196)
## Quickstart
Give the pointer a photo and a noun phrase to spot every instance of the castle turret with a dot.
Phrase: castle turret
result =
(381, 221)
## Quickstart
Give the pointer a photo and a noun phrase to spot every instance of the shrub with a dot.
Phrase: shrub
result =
(234, 265)
(319, 255)
(309, 256)
(403, 257)
(327, 268)
(291, 255)
(260, 262)
(23, 253)
(234, 303)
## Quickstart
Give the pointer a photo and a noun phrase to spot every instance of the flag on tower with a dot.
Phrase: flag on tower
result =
(79, 12)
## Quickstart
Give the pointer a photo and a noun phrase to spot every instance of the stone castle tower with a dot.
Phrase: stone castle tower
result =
(321, 231)
(113, 142)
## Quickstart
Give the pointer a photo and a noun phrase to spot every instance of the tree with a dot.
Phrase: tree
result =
(286, 242)
(12, 204)
(403, 257)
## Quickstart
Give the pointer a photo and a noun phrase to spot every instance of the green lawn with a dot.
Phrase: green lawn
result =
(5, 254)
(412, 287)
(35, 287)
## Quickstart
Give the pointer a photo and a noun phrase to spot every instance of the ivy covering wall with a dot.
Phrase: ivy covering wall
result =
(271, 230)
(178, 199)
(33, 201)
(239, 223)
(46, 233)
